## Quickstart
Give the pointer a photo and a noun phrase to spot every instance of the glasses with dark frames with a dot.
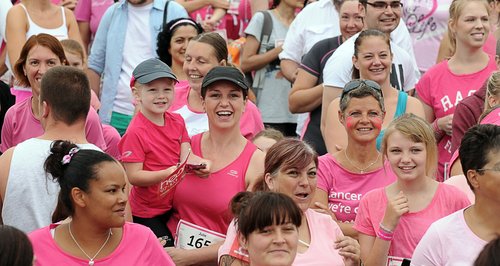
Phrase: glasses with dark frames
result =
(383, 5)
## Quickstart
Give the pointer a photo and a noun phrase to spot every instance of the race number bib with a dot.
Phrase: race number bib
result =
(394, 261)
(192, 236)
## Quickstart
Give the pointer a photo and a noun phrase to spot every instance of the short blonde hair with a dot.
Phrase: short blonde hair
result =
(417, 130)
(73, 47)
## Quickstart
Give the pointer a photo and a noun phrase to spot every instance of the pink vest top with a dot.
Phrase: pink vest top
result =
(205, 201)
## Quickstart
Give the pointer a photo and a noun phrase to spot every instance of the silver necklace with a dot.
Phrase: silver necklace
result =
(361, 170)
(91, 259)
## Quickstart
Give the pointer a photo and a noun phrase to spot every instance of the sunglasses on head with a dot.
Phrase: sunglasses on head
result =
(351, 85)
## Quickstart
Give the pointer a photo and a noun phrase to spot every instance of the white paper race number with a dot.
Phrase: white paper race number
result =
(394, 261)
(192, 236)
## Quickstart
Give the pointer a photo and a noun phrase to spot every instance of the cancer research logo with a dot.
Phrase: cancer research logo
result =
(233, 173)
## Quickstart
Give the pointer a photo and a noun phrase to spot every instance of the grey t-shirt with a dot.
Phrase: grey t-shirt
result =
(270, 87)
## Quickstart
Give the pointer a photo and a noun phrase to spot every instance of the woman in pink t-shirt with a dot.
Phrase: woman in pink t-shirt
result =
(88, 13)
(392, 220)
(345, 176)
(22, 121)
(93, 193)
(268, 225)
(290, 168)
(444, 85)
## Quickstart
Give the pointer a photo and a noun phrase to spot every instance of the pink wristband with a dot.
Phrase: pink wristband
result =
(438, 133)
(384, 235)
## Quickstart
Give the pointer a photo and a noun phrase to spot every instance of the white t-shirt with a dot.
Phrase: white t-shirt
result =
(338, 69)
(427, 22)
(136, 49)
(320, 20)
(317, 21)
(5, 5)
(448, 242)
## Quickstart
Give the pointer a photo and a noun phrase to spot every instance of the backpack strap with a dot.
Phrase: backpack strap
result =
(267, 29)
(165, 13)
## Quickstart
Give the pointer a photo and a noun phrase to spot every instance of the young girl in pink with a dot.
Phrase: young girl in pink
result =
(392, 220)
(447, 83)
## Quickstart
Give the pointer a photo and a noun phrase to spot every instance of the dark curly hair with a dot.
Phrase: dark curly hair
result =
(165, 36)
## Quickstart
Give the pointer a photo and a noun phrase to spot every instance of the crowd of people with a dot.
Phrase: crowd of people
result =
(249, 132)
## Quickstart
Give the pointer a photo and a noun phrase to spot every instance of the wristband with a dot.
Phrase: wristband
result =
(438, 133)
(384, 235)
(385, 229)
(435, 125)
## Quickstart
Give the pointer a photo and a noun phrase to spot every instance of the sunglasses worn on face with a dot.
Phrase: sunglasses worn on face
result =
(351, 85)
(383, 5)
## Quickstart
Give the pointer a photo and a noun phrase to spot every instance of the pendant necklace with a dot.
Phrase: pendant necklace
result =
(361, 170)
(91, 259)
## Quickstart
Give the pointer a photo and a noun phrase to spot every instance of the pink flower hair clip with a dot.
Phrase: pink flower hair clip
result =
(67, 158)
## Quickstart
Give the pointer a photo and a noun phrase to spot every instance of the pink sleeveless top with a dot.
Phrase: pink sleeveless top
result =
(205, 201)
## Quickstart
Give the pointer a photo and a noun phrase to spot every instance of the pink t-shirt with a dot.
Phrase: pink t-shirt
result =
(345, 189)
(205, 13)
(411, 226)
(112, 138)
(460, 182)
(138, 246)
(205, 201)
(20, 124)
(448, 242)
(91, 11)
(324, 232)
(490, 45)
(492, 118)
(197, 122)
(442, 90)
(157, 147)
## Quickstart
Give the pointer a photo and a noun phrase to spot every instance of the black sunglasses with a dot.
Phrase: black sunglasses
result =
(354, 84)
